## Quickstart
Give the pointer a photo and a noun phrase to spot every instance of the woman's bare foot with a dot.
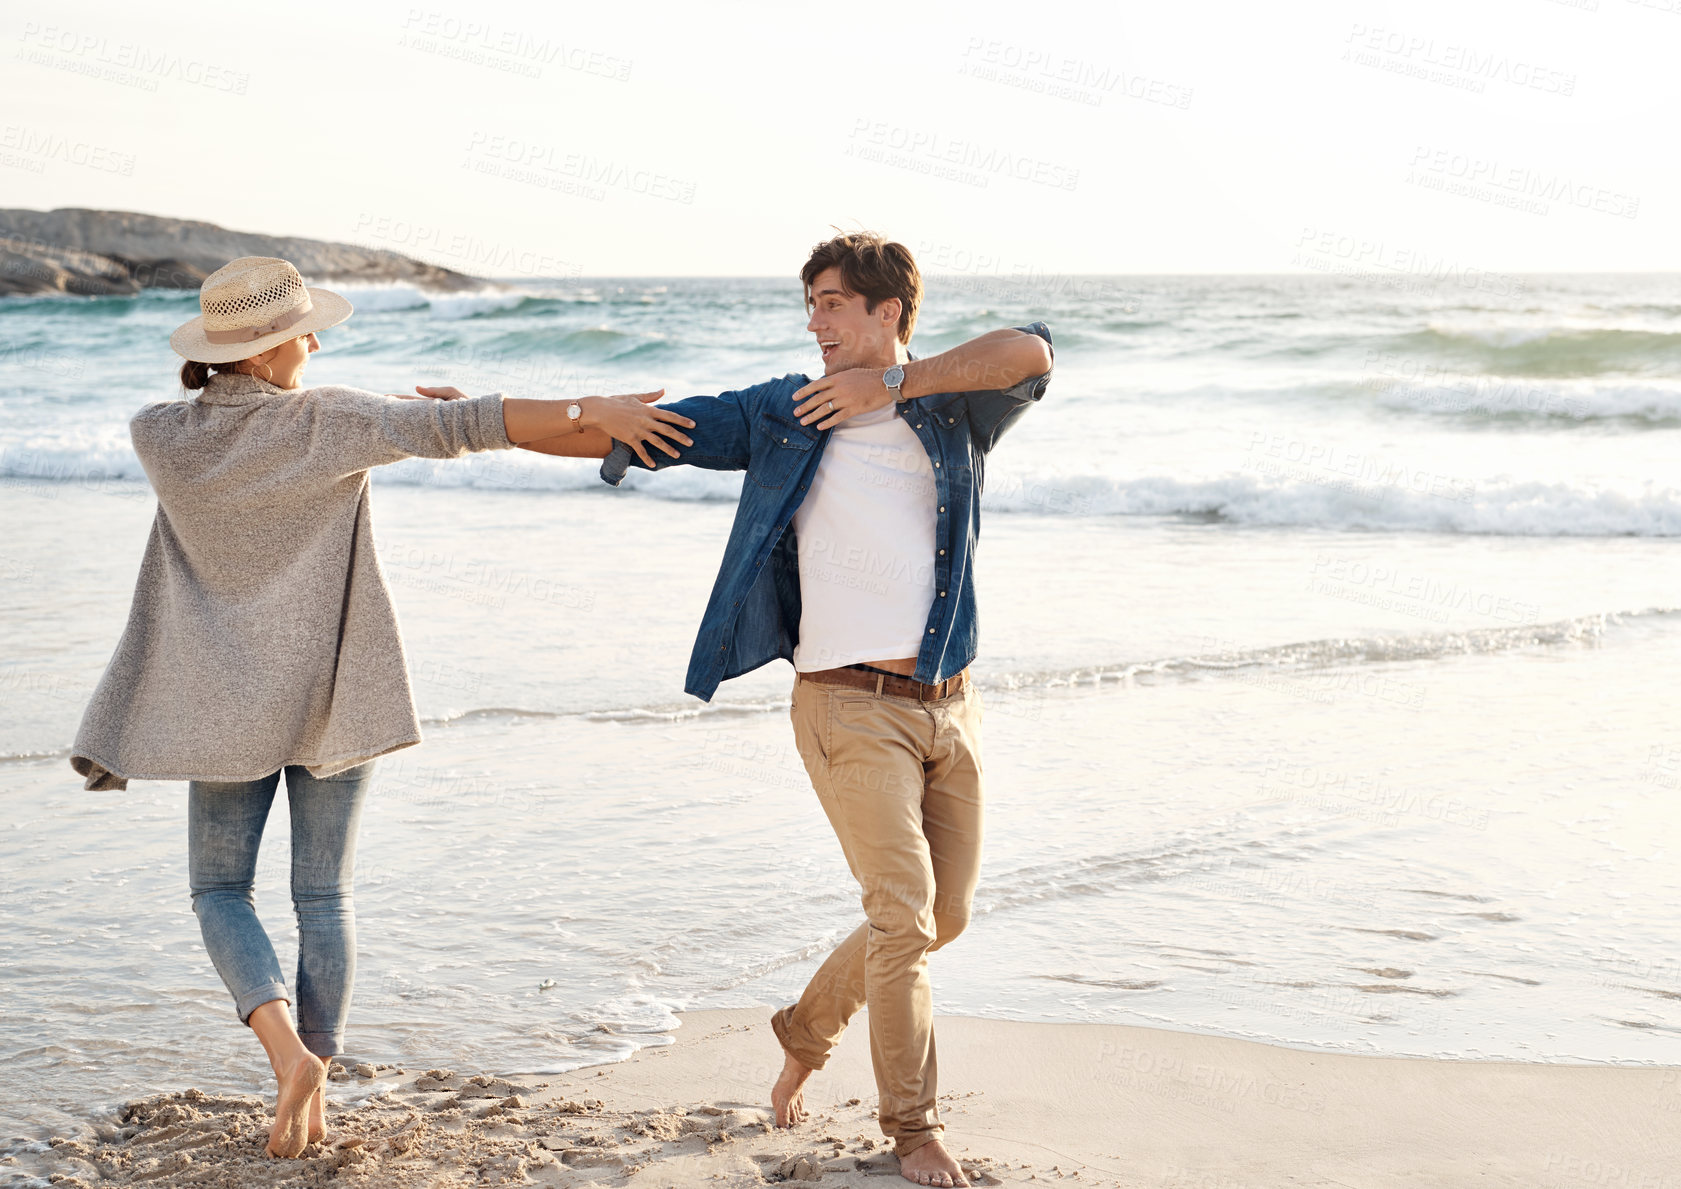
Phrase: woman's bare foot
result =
(300, 1082)
(787, 1097)
(931, 1164)
(318, 1113)
(300, 1109)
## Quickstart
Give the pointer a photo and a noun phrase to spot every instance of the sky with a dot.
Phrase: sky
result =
(506, 138)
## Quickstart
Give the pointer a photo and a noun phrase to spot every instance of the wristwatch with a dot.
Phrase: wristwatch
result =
(575, 414)
(894, 378)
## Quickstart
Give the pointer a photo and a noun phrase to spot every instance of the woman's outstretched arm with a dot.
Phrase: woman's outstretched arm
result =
(543, 426)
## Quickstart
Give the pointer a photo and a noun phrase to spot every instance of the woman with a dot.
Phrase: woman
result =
(262, 639)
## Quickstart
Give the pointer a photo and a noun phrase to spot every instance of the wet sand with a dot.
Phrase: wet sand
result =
(1090, 1104)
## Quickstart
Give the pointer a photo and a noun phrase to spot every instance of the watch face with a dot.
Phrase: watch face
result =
(894, 376)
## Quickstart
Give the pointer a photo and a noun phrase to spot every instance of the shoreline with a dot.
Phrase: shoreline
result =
(1099, 1104)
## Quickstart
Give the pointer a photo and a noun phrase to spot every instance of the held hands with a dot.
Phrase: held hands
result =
(628, 418)
(832, 399)
(634, 421)
(433, 393)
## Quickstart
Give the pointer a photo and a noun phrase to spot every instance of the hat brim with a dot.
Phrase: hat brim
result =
(188, 341)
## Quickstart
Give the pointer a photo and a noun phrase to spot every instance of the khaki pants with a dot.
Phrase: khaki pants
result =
(901, 783)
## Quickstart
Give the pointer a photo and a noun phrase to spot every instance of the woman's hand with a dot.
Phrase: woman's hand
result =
(633, 421)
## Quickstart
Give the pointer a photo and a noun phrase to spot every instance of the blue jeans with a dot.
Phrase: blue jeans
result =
(224, 829)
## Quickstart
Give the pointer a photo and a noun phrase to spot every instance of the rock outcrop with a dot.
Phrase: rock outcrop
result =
(72, 250)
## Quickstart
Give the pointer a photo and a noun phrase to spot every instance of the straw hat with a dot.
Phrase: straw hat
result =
(250, 305)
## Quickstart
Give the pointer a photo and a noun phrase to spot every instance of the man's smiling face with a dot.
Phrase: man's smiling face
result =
(848, 334)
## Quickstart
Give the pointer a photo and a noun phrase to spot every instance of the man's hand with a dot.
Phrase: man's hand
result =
(832, 399)
(633, 420)
(431, 394)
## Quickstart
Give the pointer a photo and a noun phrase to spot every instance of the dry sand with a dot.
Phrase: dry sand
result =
(1087, 1104)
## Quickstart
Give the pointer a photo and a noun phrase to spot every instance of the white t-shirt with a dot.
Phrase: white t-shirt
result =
(866, 543)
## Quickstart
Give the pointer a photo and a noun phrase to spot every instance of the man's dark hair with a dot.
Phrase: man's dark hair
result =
(873, 267)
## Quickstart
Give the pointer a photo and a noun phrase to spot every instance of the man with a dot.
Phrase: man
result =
(852, 557)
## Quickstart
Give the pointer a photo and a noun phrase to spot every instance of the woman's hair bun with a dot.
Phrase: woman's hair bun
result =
(195, 375)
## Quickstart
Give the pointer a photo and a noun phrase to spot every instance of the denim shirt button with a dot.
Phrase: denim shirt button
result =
(942, 594)
(936, 464)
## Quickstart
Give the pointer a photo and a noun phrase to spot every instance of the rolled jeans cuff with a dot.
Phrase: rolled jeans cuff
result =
(323, 1044)
(782, 1023)
(252, 1000)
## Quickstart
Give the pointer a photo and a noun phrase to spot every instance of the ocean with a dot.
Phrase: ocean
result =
(1326, 633)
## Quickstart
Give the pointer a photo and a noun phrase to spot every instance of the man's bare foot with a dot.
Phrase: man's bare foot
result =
(318, 1113)
(300, 1083)
(787, 1097)
(931, 1164)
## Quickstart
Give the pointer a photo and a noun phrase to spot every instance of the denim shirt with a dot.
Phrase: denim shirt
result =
(753, 616)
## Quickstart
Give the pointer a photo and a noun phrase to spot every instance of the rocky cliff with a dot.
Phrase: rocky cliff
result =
(104, 252)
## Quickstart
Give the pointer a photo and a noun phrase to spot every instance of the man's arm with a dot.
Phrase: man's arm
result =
(1000, 360)
(722, 438)
(997, 359)
(993, 410)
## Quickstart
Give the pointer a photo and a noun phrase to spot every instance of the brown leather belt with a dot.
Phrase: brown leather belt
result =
(890, 683)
